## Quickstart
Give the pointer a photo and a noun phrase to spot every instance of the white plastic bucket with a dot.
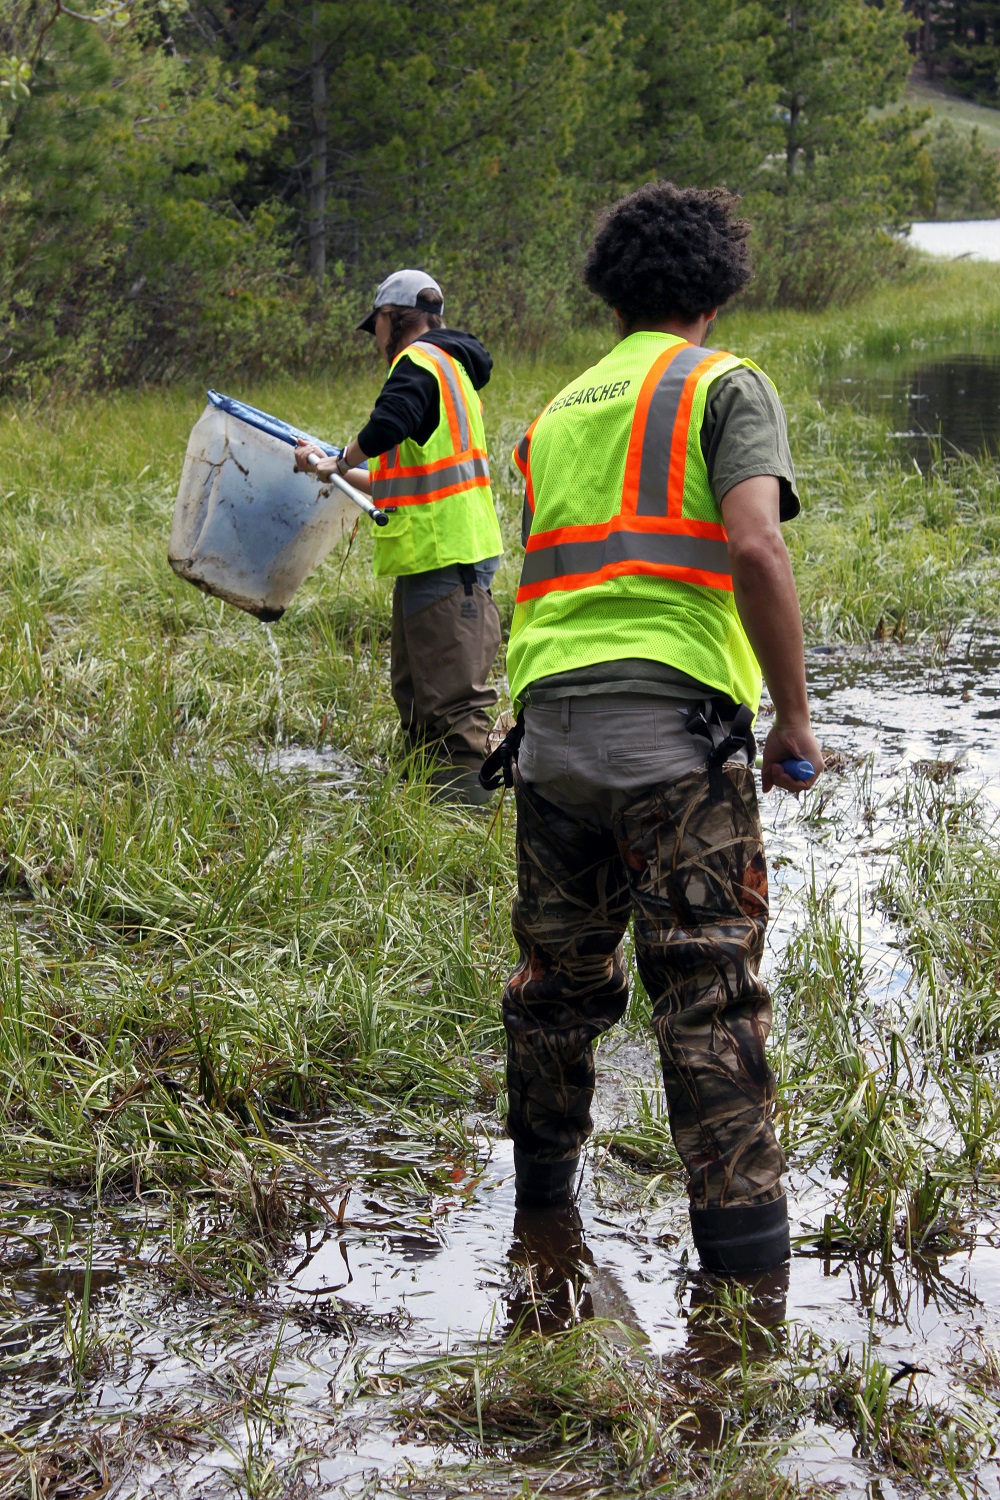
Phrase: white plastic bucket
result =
(247, 527)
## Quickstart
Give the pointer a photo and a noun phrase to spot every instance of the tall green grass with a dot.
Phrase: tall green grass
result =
(189, 932)
(199, 948)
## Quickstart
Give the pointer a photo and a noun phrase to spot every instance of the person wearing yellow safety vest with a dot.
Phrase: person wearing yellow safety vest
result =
(428, 469)
(655, 587)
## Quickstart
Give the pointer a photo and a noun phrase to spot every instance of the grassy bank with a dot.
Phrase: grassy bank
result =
(877, 541)
(965, 113)
(202, 951)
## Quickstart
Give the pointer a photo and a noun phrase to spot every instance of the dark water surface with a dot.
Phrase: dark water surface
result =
(937, 403)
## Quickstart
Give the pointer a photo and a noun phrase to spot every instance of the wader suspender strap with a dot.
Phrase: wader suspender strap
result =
(467, 573)
(498, 768)
(700, 721)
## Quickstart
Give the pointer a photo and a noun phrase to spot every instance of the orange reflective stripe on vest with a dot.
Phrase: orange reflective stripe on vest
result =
(465, 468)
(650, 535)
(575, 562)
(436, 493)
(418, 486)
(522, 457)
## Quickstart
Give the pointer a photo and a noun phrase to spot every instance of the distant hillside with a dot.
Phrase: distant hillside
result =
(961, 112)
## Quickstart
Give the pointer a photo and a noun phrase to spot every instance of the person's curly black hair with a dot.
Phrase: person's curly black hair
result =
(664, 252)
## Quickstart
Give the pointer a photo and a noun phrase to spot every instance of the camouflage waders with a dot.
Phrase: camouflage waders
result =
(691, 873)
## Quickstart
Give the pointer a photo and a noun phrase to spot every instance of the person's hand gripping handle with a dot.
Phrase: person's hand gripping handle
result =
(324, 466)
(799, 770)
(792, 758)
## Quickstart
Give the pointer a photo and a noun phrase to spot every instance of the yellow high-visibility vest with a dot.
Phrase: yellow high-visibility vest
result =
(439, 491)
(627, 554)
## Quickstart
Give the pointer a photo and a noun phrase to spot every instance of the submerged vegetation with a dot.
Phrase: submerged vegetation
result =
(249, 1032)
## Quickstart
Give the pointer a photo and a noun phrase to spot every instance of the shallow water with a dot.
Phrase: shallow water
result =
(326, 763)
(975, 239)
(430, 1256)
(938, 404)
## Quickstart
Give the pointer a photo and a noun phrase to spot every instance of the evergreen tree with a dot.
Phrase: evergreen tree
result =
(959, 41)
(222, 182)
(844, 180)
(455, 130)
(707, 100)
(960, 177)
(833, 62)
(115, 200)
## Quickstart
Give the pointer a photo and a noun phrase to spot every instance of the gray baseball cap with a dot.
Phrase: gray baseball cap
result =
(402, 289)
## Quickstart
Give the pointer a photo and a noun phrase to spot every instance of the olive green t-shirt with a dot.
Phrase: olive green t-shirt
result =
(744, 434)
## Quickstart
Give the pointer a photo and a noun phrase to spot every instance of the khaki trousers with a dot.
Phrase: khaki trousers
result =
(441, 658)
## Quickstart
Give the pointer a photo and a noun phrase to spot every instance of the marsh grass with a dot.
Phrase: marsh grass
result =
(585, 1389)
(591, 1401)
(202, 951)
(865, 1100)
(878, 1405)
(72, 1469)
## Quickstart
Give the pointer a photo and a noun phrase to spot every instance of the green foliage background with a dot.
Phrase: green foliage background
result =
(191, 188)
(959, 40)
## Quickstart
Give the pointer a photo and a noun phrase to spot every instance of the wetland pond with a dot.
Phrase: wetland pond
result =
(422, 1257)
(975, 239)
(937, 404)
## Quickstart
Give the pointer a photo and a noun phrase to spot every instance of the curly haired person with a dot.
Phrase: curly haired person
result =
(655, 590)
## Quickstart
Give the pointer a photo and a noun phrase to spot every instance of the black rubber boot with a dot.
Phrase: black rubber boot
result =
(458, 784)
(748, 1237)
(543, 1184)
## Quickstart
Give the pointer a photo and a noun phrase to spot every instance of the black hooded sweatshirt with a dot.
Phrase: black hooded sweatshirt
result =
(409, 404)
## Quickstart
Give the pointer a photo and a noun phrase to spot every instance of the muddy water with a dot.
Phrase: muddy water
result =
(891, 712)
(937, 404)
(431, 1257)
(886, 711)
(326, 764)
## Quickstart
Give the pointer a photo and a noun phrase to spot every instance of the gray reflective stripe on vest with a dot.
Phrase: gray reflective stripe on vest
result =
(466, 472)
(522, 448)
(447, 373)
(660, 419)
(566, 559)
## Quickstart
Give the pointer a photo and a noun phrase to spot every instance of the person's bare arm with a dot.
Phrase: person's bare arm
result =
(360, 478)
(765, 595)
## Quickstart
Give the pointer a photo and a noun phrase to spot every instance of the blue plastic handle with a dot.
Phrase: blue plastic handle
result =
(798, 770)
(263, 420)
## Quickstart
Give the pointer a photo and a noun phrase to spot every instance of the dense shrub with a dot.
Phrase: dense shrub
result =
(185, 195)
(960, 177)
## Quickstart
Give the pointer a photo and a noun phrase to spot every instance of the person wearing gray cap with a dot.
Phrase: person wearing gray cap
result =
(430, 472)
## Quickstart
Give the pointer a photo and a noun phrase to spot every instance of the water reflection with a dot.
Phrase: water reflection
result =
(410, 1282)
(938, 407)
(551, 1268)
(556, 1282)
(901, 1295)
